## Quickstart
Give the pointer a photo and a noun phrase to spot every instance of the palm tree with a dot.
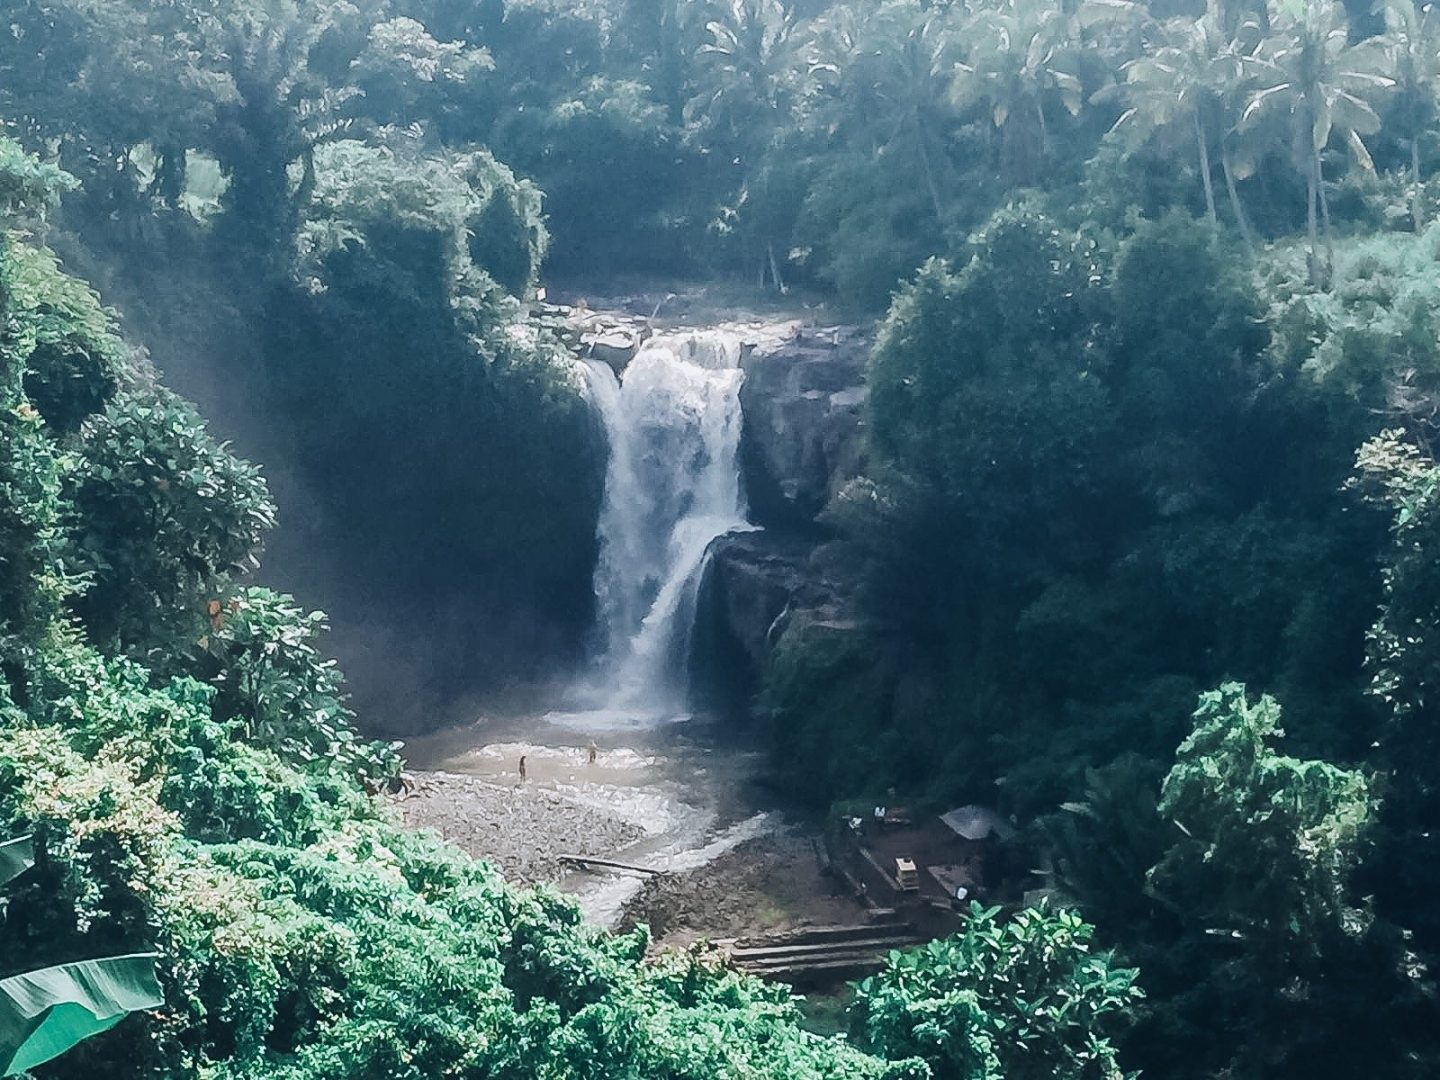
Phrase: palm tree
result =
(891, 68)
(1308, 75)
(746, 82)
(1412, 37)
(1022, 55)
(1187, 87)
(745, 64)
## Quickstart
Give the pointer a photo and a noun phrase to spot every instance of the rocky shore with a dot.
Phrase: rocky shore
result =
(773, 882)
(521, 828)
(766, 883)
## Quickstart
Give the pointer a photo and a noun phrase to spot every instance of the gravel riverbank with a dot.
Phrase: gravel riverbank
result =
(768, 882)
(772, 882)
(521, 828)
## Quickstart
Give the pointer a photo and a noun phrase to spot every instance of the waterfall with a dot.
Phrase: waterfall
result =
(671, 487)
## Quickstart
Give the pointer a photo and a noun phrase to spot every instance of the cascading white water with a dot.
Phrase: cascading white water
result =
(672, 486)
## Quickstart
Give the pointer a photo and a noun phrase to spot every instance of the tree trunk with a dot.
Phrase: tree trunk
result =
(1044, 139)
(775, 271)
(929, 172)
(169, 182)
(307, 178)
(1325, 219)
(1417, 202)
(1310, 229)
(1205, 172)
(1235, 205)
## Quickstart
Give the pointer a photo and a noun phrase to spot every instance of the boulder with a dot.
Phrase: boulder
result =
(615, 347)
(803, 401)
(755, 583)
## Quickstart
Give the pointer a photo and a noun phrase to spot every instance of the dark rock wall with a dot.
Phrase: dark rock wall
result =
(803, 403)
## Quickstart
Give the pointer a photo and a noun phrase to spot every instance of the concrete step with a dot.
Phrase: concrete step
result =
(878, 946)
(832, 970)
(817, 934)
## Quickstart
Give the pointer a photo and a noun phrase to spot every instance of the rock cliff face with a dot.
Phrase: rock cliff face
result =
(802, 439)
(803, 400)
(755, 583)
(803, 404)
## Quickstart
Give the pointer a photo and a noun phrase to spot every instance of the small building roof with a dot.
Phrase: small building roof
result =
(977, 823)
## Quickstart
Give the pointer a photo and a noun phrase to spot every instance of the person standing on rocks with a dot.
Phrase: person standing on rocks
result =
(593, 752)
(522, 766)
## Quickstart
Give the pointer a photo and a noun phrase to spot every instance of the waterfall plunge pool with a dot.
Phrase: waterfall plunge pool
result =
(667, 790)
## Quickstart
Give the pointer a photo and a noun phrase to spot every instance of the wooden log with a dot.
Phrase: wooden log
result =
(585, 862)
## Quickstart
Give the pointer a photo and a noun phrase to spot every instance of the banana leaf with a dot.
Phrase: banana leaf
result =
(44, 1013)
(16, 856)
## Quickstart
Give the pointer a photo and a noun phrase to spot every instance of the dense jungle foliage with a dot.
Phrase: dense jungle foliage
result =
(183, 758)
(1149, 470)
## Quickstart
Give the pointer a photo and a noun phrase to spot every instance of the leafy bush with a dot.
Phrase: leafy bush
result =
(32, 579)
(373, 197)
(1269, 841)
(160, 512)
(1019, 999)
(1257, 926)
(72, 358)
(354, 948)
(272, 682)
(28, 186)
(1369, 341)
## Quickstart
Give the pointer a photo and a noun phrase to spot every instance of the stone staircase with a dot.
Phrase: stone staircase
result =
(821, 954)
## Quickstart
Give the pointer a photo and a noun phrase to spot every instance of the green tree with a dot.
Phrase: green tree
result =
(746, 64)
(279, 108)
(745, 93)
(161, 515)
(1268, 842)
(1401, 477)
(1189, 86)
(986, 385)
(262, 655)
(904, 65)
(1025, 998)
(876, 105)
(57, 352)
(1020, 59)
(1412, 37)
(1268, 936)
(1308, 77)
(28, 186)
